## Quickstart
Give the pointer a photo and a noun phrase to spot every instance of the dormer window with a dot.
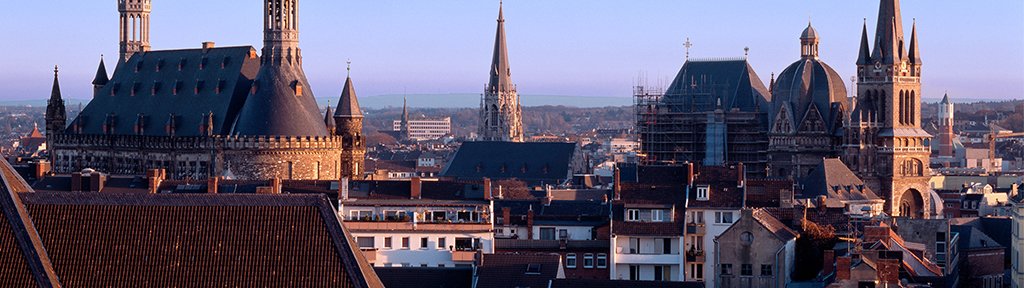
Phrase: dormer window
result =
(159, 63)
(156, 86)
(298, 88)
(181, 64)
(220, 85)
(138, 66)
(657, 215)
(632, 214)
(177, 86)
(702, 193)
(199, 86)
(533, 268)
(225, 62)
(202, 62)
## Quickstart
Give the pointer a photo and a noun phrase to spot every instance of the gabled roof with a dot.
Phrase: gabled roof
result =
(834, 180)
(154, 77)
(531, 162)
(700, 84)
(777, 228)
(253, 239)
(23, 259)
(510, 270)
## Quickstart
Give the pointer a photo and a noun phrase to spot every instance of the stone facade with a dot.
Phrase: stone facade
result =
(500, 115)
(883, 142)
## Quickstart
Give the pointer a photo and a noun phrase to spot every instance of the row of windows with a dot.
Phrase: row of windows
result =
(177, 87)
(697, 217)
(652, 215)
(746, 270)
(588, 260)
(182, 62)
(461, 243)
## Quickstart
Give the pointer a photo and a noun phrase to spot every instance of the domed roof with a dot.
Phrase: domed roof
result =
(809, 33)
(810, 82)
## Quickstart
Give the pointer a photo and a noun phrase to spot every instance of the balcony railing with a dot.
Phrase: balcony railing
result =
(410, 226)
(459, 255)
(370, 254)
(693, 228)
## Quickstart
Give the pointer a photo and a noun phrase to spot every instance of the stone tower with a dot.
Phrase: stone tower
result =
(280, 102)
(56, 117)
(500, 116)
(945, 128)
(884, 143)
(404, 124)
(349, 120)
(134, 27)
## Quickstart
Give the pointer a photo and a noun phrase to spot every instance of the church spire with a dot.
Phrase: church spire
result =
(404, 125)
(889, 33)
(865, 50)
(500, 115)
(501, 75)
(915, 55)
(55, 117)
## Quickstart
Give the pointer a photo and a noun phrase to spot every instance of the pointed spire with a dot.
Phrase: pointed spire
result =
(865, 50)
(101, 74)
(945, 99)
(771, 85)
(55, 92)
(915, 55)
(889, 33)
(501, 78)
(348, 105)
(329, 119)
(405, 110)
(35, 131)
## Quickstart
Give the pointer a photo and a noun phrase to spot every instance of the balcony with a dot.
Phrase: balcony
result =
(698, 229)
(665, 259)
(460, 255)
(695, 256)
(370, 254)
(410, 226)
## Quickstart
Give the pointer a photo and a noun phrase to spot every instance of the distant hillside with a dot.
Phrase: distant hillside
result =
(470, 100)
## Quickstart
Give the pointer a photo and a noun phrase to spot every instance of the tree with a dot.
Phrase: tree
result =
(378, 138)
(511, 189)
(810, 249)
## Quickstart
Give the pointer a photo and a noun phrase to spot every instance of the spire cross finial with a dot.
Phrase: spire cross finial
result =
(687, 45)
(349, 67)
(54, 70)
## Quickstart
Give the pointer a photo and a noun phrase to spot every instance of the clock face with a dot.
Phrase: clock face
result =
(878, 64)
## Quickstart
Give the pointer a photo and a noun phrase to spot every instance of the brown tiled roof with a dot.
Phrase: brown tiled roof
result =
(23, 260)
(214, 239)
(509, 270)
(766, 192)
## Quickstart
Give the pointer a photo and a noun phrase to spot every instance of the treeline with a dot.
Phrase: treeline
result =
(539, 119)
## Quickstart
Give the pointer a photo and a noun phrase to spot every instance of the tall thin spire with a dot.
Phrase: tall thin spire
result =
(889, 33)
(865, 50)
(55, 92)
(915, 55)
(404, 124)
(501, 75)
(56, 116)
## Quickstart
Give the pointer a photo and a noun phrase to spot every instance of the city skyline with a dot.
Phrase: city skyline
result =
(561, 48)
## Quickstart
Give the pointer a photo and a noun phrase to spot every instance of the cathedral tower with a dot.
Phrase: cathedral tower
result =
(404, 124)
(349, 120)
(500, 116)
(884, 142)
(134, 27)
(56, 117)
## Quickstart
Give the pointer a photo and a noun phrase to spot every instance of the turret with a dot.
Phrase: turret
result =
(349, 120)
(100, 79)
(56, 117)
(134, 26)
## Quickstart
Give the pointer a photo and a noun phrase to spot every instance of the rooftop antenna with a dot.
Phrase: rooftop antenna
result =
(687, 45)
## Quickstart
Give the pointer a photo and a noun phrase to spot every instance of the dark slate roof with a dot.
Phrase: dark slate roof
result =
(734, 81)
(509, 270)
(525, 161)
(777, 228)
(973, 239)
(23, 259)
(295, 240)
(329, 118)
(275, 109)
(768, 191)
(608, 283)
(581, 213)
(158, 70)
(348, 104)
(807, 82)
(391, 165)
(425, 277)
(829, 175)
(101, 75)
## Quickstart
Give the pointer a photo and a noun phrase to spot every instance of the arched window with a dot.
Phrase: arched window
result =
(913, 108)
(903, 110)
(494, 115)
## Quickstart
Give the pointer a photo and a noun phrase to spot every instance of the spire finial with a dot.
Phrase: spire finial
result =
(54, 70)
(349, 68)
(746, 50)
(687, 45)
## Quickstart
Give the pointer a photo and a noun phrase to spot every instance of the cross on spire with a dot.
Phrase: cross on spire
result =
(349, 68)
(54, 70)
(687, 45)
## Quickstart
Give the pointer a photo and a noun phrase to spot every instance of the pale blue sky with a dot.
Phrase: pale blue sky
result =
(586, 48)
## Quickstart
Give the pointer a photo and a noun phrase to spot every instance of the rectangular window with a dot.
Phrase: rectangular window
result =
(588, 260)
(702, 193)
(667, 246)
(700, 217)
(658, 276)
(424, 243)
(387, 242)
(360, 215)
(726, 269)
(563, 234)
(632, 215)
(365, 242)
(634, 272)
(697, 270)
(718, 217)
(766, 270)
(602, 260)
(656, 215)
(746, 269)
(405, 242)
(440, 243)
(726, 217)
(570, 260)
(547, 233)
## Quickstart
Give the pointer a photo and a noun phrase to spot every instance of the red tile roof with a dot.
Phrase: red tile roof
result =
(509, 270)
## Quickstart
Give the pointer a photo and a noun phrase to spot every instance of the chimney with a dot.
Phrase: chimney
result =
(888, 271)
(547, 197)
(343, 188)
(96, 181)
(876, 233)
(747, 213)
(506, 212)
(154, 176)
(211, 185)
(786, 197)
(616, 186)
(689, 174)
(741, 175)
(487, 189)
(843, 268)
(76, 181)
(821, 203)
(41, 168)
(275, 185)
(828, 264)
(207, 46)
(414, 187)
(529, 223)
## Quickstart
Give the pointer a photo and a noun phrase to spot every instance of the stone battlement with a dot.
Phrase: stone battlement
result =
(216, 142)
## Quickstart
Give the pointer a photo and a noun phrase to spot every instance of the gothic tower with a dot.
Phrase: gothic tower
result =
(134, 27)
(56, 117)
(500, 116)
(280, 101)
(404, 124)
(945, 128)
(884, 142)
(349, 120)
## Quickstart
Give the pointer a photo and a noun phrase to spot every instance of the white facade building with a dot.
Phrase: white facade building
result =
(426, 129)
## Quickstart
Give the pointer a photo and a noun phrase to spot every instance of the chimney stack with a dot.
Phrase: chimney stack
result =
(689, 174)
(529, 223)
(741, 175)
(76, 181)
(888, 271)
(343, 188)
(211, 185)
(154, 176)
(275, 185)
(96, 181)
(207, 46)
(414, 187)
(616, 186)
(843, 268)
(506, 212)
(821, 203)
(487, 189)
(828, 264)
